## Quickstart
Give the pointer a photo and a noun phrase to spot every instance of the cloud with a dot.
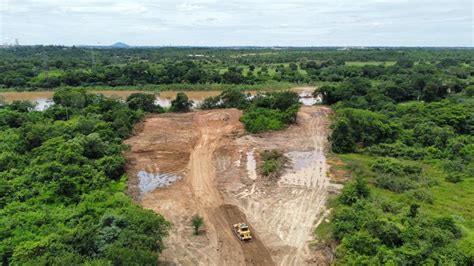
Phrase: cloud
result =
(186, 7)
(244, 22)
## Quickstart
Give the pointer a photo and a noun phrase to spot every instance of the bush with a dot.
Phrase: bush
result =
(395, 183)
(354, 191)
(455, 177)
(258, 120)
(197, 221)
(181, 103)
(144, 102)
(274, 162)
(423, 195)
(395, 167)
(211, 103)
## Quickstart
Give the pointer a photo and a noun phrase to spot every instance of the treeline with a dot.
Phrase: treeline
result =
(52, 67)
(408, 139)
(262, 112)
(62, 182)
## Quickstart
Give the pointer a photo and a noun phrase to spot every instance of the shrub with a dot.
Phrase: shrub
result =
(258, 120)
(354, 191)
(181, 103)
(394, 183)
(274, 162)
(144, 102)
(395, 167)
(455, 177)
(197, 221)
(423, 195)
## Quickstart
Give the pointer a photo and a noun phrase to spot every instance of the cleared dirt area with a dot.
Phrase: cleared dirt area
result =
(214, 164)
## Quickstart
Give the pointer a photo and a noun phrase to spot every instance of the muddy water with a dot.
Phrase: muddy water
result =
(43, 99)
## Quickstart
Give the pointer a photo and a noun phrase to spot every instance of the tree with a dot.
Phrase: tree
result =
(405, 62)
(22, 106)
(197, 221)
(144, 102)
(341, 138)
(181, 103)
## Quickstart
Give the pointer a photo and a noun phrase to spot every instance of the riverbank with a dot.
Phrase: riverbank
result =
(43, 99)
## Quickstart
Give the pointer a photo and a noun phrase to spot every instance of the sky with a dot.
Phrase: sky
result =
(239, 23)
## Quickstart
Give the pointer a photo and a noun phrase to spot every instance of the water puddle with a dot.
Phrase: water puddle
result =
(307, 98)
(251, 165)
(150, 181)
(308, 169)
(43, 104)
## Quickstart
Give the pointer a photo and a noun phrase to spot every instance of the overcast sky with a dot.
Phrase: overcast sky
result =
(235, 23)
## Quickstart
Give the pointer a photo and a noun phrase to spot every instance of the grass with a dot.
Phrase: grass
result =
(323, 231)
(455, 200)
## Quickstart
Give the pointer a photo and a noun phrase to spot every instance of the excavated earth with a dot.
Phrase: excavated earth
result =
(204, 163)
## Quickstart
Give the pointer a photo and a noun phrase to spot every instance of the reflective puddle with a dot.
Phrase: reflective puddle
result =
(150, 181)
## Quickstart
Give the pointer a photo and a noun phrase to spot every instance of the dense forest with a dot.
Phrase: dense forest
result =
(408, 141)
(62, 184)
(47, 67)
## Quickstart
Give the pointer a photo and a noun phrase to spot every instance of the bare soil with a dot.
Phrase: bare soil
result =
(210, 150)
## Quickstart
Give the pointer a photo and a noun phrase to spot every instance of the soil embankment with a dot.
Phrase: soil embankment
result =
(209, 156)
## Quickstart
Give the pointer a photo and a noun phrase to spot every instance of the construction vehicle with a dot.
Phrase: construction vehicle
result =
(242, 231)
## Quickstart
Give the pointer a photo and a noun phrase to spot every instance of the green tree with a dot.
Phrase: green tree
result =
(143, 101)
(181, 103)
(197, 222)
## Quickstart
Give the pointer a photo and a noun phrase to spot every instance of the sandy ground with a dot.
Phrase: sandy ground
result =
(216, 162)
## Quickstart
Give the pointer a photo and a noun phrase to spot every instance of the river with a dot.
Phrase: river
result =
(43, 99)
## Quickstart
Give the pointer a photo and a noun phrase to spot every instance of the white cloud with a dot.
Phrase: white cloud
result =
(188, 7)
(245, 22)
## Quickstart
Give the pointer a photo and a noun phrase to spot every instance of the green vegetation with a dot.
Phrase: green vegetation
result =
(403, 123)
(263, 112)
(408, 141)
(47, 67)
(197, 223)
(62, 182)
(428, 223)
(273, 163)
(181, 103)
(144, 102)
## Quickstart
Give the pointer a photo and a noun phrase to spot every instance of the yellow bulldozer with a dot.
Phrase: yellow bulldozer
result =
(242, 231)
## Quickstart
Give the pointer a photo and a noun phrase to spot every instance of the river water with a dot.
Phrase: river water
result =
(43, 99)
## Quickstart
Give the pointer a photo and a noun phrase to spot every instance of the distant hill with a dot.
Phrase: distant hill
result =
(120, 45)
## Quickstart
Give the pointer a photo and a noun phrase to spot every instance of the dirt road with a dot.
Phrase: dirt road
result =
(193, 141)
(212, 161)
(286, 212)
